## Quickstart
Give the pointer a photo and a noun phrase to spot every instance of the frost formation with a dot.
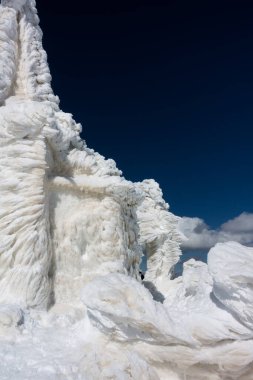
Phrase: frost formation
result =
(72, 235)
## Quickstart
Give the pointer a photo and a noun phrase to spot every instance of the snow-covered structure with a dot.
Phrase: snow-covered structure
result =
(72, 235)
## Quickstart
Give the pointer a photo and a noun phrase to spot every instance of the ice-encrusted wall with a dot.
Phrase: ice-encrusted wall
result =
(72, 235)
(69, 212)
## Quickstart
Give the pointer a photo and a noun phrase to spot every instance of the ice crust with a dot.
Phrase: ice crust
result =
(72, 234)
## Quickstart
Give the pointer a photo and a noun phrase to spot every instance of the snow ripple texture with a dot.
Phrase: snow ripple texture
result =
(73, 232)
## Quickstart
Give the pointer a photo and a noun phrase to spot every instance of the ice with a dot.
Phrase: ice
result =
(73, 232)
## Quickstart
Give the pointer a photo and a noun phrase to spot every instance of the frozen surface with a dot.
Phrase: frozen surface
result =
(72, 235)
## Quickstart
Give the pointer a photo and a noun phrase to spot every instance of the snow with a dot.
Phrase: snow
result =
(72, 235)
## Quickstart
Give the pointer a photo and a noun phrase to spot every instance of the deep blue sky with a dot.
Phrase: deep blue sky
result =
(165, 88)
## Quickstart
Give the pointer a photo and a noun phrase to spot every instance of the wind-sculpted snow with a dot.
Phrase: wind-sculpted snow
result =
(72, 235)
(233, 279)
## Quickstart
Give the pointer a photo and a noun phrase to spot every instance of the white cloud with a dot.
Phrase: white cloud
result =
(242, 223)
(200, 236)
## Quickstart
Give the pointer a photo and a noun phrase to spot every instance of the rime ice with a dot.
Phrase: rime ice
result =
(72, 235)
